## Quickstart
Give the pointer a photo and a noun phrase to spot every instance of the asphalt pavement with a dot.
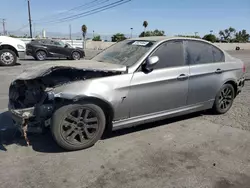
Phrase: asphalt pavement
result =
(198, 150)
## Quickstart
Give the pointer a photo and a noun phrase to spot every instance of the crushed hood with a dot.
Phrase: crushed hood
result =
(46, 68)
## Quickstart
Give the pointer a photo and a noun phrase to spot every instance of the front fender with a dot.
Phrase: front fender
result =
(84, 89)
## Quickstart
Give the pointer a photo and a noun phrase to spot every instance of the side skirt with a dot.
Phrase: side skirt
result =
(134, 121)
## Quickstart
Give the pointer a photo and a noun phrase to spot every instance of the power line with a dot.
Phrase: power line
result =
(90, 12)
(75, 8)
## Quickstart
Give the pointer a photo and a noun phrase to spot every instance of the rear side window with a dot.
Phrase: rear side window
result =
(199, 52)
(170, 55)
(218, 55)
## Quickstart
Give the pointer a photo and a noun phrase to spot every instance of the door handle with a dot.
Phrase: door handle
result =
(218, 71)
(182, 77)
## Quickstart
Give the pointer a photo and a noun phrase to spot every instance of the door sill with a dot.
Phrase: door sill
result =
(134, 121)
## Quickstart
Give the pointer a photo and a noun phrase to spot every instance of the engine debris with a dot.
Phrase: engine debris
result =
(25, 129)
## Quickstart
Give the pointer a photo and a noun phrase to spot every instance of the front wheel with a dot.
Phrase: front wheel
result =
(7, 57)
(78, 126)
(224, 99)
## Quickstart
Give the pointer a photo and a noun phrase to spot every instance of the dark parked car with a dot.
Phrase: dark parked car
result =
(40, 49)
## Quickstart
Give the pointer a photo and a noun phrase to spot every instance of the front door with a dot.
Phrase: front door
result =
(206, 71)
(166, 87)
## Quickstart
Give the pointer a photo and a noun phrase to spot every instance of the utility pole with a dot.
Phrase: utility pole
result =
(93, 33)
(4, 30)
(70, 35)
(34, 29)
(30, 19)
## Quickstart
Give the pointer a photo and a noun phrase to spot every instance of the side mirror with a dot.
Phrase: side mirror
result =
(150, 63)
(66, 46)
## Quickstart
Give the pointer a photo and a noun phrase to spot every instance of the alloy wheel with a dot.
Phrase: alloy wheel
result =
(226, 98)
(76, 56)
(41, 55)
(80, 126)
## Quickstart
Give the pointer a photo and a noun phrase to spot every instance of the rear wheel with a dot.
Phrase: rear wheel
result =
(78, 126)
(224, 99)
(41, 55)
(76, 56)
(7, 57)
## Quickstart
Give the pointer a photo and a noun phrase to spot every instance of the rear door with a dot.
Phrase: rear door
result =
(61, 49)
(206, 71)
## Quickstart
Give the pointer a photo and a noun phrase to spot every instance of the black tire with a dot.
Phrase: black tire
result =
(224, 99)
(41, 55)
(76, 55)
(7, 57)
(74, 136)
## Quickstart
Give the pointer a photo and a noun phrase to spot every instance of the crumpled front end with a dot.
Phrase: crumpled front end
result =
(34, 101)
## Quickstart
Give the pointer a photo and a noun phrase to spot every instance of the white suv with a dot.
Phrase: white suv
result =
(10, 50)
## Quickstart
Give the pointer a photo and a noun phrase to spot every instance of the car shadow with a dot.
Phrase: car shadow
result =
(48, 59)
(44, 142)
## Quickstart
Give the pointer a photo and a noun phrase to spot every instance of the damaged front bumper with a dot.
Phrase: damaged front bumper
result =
(37, 118)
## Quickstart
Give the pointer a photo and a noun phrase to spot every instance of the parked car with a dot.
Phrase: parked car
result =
(130, 83)
(40, 49)
(10, 50)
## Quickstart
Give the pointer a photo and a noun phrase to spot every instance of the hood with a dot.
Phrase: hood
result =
(5, 39)
(46, 68)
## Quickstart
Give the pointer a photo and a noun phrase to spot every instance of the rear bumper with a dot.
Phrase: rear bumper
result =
(21, 54)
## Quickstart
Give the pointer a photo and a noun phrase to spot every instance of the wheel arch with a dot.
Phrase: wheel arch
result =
(9, 47)
(75, 50)
(234, 84)
(103, 104)
(41, 49)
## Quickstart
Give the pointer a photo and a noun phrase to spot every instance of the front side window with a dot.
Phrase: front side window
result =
(170, 55)
(199, 52)
(126, 52)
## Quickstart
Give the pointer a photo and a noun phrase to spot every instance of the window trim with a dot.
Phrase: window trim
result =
(157, 47)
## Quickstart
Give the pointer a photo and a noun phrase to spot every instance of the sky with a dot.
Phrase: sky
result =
(173, 16)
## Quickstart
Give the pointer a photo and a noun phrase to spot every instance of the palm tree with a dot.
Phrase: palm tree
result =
(84, 32)
(145, 25)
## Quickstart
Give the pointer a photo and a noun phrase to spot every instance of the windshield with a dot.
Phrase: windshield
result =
(126, 53)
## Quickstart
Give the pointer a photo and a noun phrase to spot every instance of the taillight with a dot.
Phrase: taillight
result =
(244, 68)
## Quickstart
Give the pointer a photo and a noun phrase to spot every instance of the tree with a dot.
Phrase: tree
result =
(118, 37)
(227, 34)
(97, 38)
(84, 32)
(152, 33)
(145, 25)
(189, 36)
(242, 36)
(210, 37)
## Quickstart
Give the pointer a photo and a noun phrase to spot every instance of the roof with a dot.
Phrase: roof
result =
(161, 38)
